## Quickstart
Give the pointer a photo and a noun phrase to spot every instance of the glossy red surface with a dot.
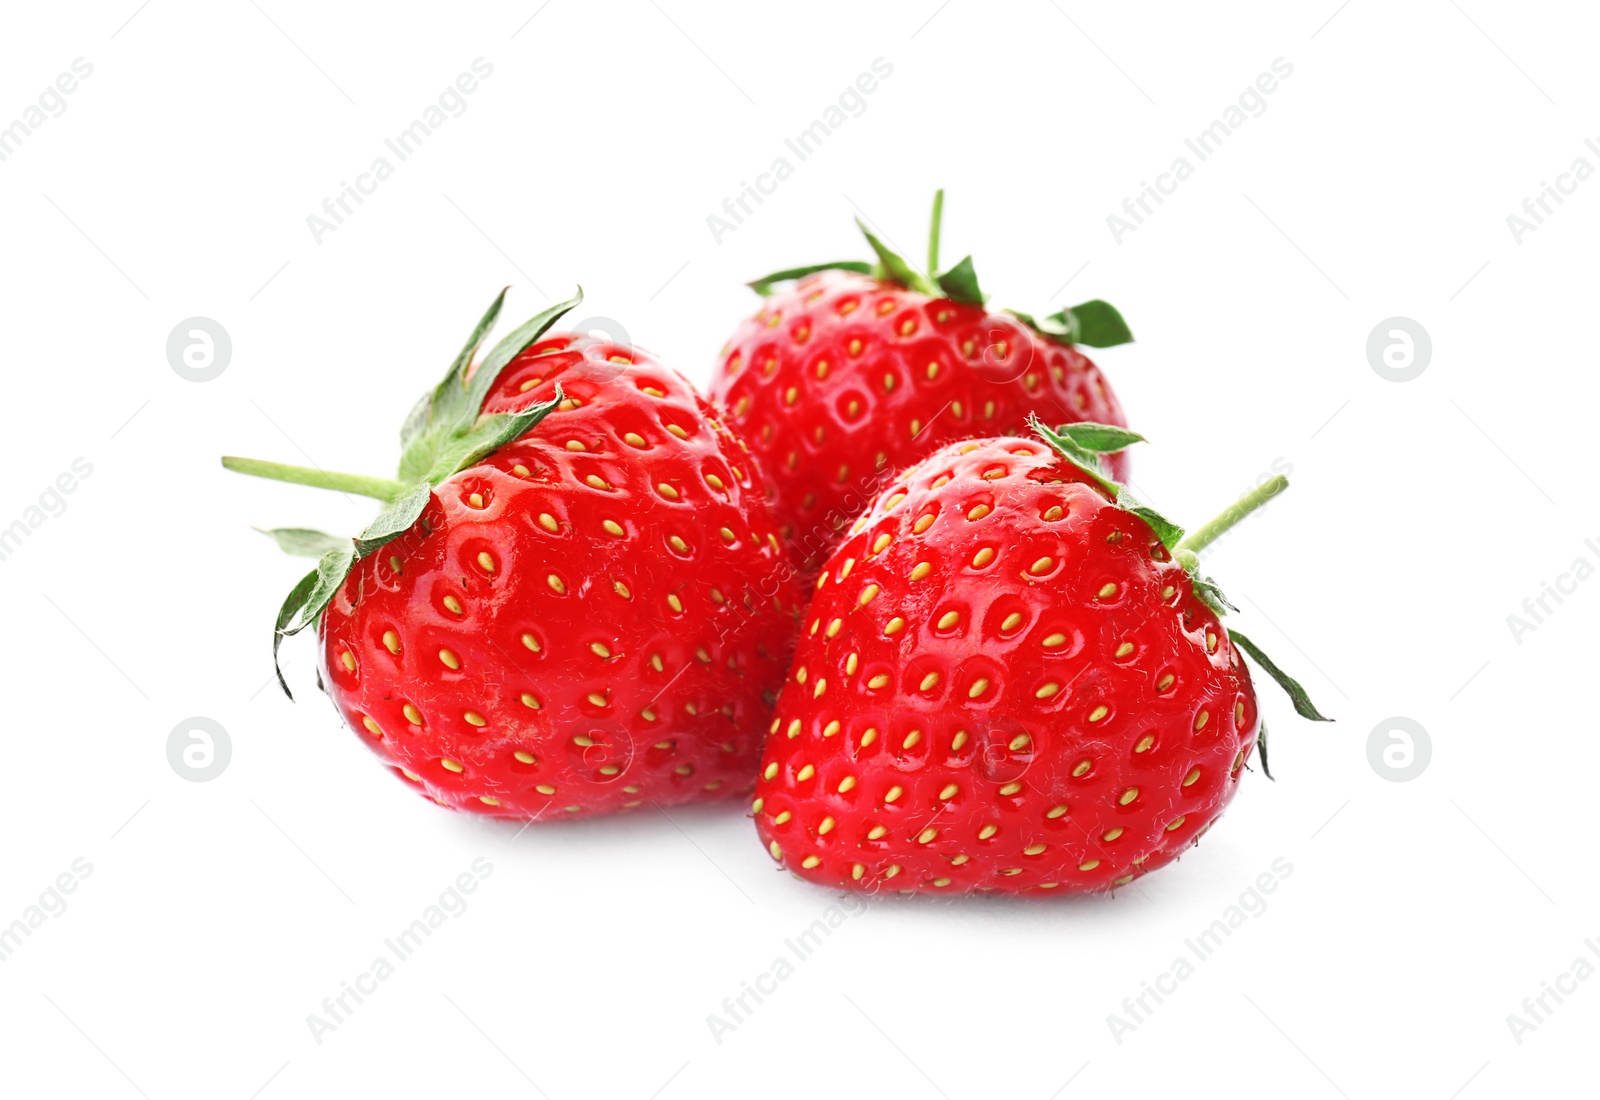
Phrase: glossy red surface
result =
(840, 380)
(1002, 683)
(594, 618)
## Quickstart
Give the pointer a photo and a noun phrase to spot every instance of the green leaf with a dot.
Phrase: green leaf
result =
(332, 568)
(1204, 586)
(309, 597)
(1261, 743)
(1083, 444)
(960, 283)
(1211, 595)
(416, 420)
(291, 607)
(488, 435)
(302, 541)
(1168, 532)
(763, 286)
(518, 341)
(443, 434)
(422, 452)
(1303, 706)
(457, 402)
(1081, 457)
(1097, 324)
(1100, 438)
(1050, 326)
(444, 401)
(395, 519)
(895, 268)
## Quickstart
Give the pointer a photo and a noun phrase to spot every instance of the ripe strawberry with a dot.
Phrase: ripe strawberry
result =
(857, 370)
(575, 601)
(1010, 679)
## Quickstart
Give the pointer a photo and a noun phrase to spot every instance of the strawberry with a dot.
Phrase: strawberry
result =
(1011, 679)
(857, 370)
(574, 601)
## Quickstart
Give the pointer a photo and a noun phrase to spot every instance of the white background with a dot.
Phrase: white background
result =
(218, 915)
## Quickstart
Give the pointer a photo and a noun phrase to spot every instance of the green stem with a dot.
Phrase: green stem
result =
(379, 488)
(933, 233)
(1255, 498)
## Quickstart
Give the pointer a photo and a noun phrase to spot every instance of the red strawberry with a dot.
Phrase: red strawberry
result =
(1010, 679)
(858, 370)
(574, 603)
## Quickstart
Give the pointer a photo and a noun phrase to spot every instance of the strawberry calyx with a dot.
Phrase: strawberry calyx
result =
(1094, 323)
(445, 432)
(1082, 445)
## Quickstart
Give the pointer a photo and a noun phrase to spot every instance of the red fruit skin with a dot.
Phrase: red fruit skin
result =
(654, 692)
(829, 384)
(1006, 716)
